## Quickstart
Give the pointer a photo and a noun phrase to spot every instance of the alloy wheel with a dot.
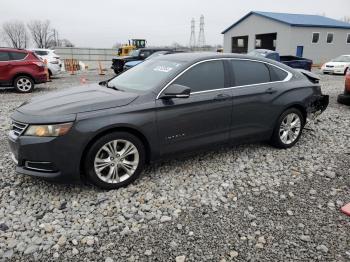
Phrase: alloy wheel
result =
(290, 128)
(24, 84)
(116, 161)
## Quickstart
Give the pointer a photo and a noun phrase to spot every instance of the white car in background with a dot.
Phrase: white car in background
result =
(54, 63)
(337, 65)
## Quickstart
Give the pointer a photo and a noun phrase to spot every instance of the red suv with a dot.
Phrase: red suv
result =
(21, 69)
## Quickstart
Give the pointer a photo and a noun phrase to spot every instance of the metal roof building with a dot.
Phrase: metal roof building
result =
(312, 36)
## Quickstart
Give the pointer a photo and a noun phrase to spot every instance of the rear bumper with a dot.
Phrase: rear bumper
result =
(318, 106)
(40, 78)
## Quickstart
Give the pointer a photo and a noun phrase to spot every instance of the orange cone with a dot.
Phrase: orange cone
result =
(72, 71)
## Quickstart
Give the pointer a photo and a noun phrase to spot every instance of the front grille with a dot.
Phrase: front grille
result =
(329, 66)
(18, 128)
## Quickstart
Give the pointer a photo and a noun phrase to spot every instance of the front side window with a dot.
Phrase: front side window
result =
(203, 77)
(315, 38)
(4, 56)
(249, 72)
(330, 38)
(17, 55)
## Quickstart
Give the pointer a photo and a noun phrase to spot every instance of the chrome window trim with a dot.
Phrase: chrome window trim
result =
(288, 77)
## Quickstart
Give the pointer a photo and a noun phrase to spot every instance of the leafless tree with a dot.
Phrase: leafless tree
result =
(346, 19)
(65, 43)
(15, 34)
(42, 33)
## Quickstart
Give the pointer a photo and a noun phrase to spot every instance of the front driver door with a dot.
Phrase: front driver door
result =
(201, 119)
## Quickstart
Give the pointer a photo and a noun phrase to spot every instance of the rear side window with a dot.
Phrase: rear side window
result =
(41, 52)
(277, 74)
(17, 55)
(250, 72)
(203, 77)
(4, 56)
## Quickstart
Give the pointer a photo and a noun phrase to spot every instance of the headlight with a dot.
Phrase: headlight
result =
(48, 130)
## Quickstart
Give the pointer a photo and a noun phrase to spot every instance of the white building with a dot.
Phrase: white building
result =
(311, 36)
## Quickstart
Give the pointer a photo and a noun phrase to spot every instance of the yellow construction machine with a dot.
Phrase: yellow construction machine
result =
(133, 44)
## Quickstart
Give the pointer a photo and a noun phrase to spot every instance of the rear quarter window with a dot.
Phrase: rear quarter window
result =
(250, 72)
(4, 56)
(17, 55)
(277, 74)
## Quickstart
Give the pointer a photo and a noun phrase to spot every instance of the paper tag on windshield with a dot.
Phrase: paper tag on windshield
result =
(164, 69)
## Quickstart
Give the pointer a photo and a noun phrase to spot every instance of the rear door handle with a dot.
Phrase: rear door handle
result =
(270, 90)
(221, 97)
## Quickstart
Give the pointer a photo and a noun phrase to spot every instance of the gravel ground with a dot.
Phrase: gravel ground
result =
(242, 203)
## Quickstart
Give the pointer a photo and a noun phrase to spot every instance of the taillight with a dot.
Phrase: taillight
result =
(40, 64)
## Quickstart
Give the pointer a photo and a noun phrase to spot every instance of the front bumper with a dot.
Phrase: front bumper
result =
(52, 158)
(333, 70)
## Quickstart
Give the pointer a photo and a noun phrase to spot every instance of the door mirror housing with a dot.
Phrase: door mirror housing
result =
(176, 91)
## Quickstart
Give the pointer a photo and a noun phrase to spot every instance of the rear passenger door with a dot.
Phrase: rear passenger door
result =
(5, 67)
(255, 87)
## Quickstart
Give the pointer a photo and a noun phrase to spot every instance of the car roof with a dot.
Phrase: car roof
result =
(41, 49)
(156, 49)
(191, 58)
(9, 49)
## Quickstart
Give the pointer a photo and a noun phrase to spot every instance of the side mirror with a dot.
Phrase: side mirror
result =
(176, 91)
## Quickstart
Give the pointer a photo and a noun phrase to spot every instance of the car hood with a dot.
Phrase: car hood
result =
(76, 100)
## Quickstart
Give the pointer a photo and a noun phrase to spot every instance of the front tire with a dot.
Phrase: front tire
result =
(288, 128)
(115, 160)
(23, 84)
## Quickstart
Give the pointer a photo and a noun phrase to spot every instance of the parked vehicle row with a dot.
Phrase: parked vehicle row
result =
(135, 55)
(289, 60)
(163, 106)
(22, 69)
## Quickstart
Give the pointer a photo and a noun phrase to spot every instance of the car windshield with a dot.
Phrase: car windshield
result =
(342, 58)
(146, 75)
(134, 53)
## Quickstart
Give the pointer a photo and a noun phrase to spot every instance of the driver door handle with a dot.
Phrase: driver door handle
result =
(221, 97)
(270, 90)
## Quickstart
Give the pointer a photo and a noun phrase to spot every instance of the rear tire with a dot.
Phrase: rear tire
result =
(288, 128)
(115, 160)
(23, 84)
(344, 99)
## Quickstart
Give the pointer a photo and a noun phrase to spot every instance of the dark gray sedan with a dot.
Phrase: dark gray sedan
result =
(107, 132)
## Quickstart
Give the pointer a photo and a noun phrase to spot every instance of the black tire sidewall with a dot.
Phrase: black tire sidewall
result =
(90, 156)
(26, 77)
(276, 140)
